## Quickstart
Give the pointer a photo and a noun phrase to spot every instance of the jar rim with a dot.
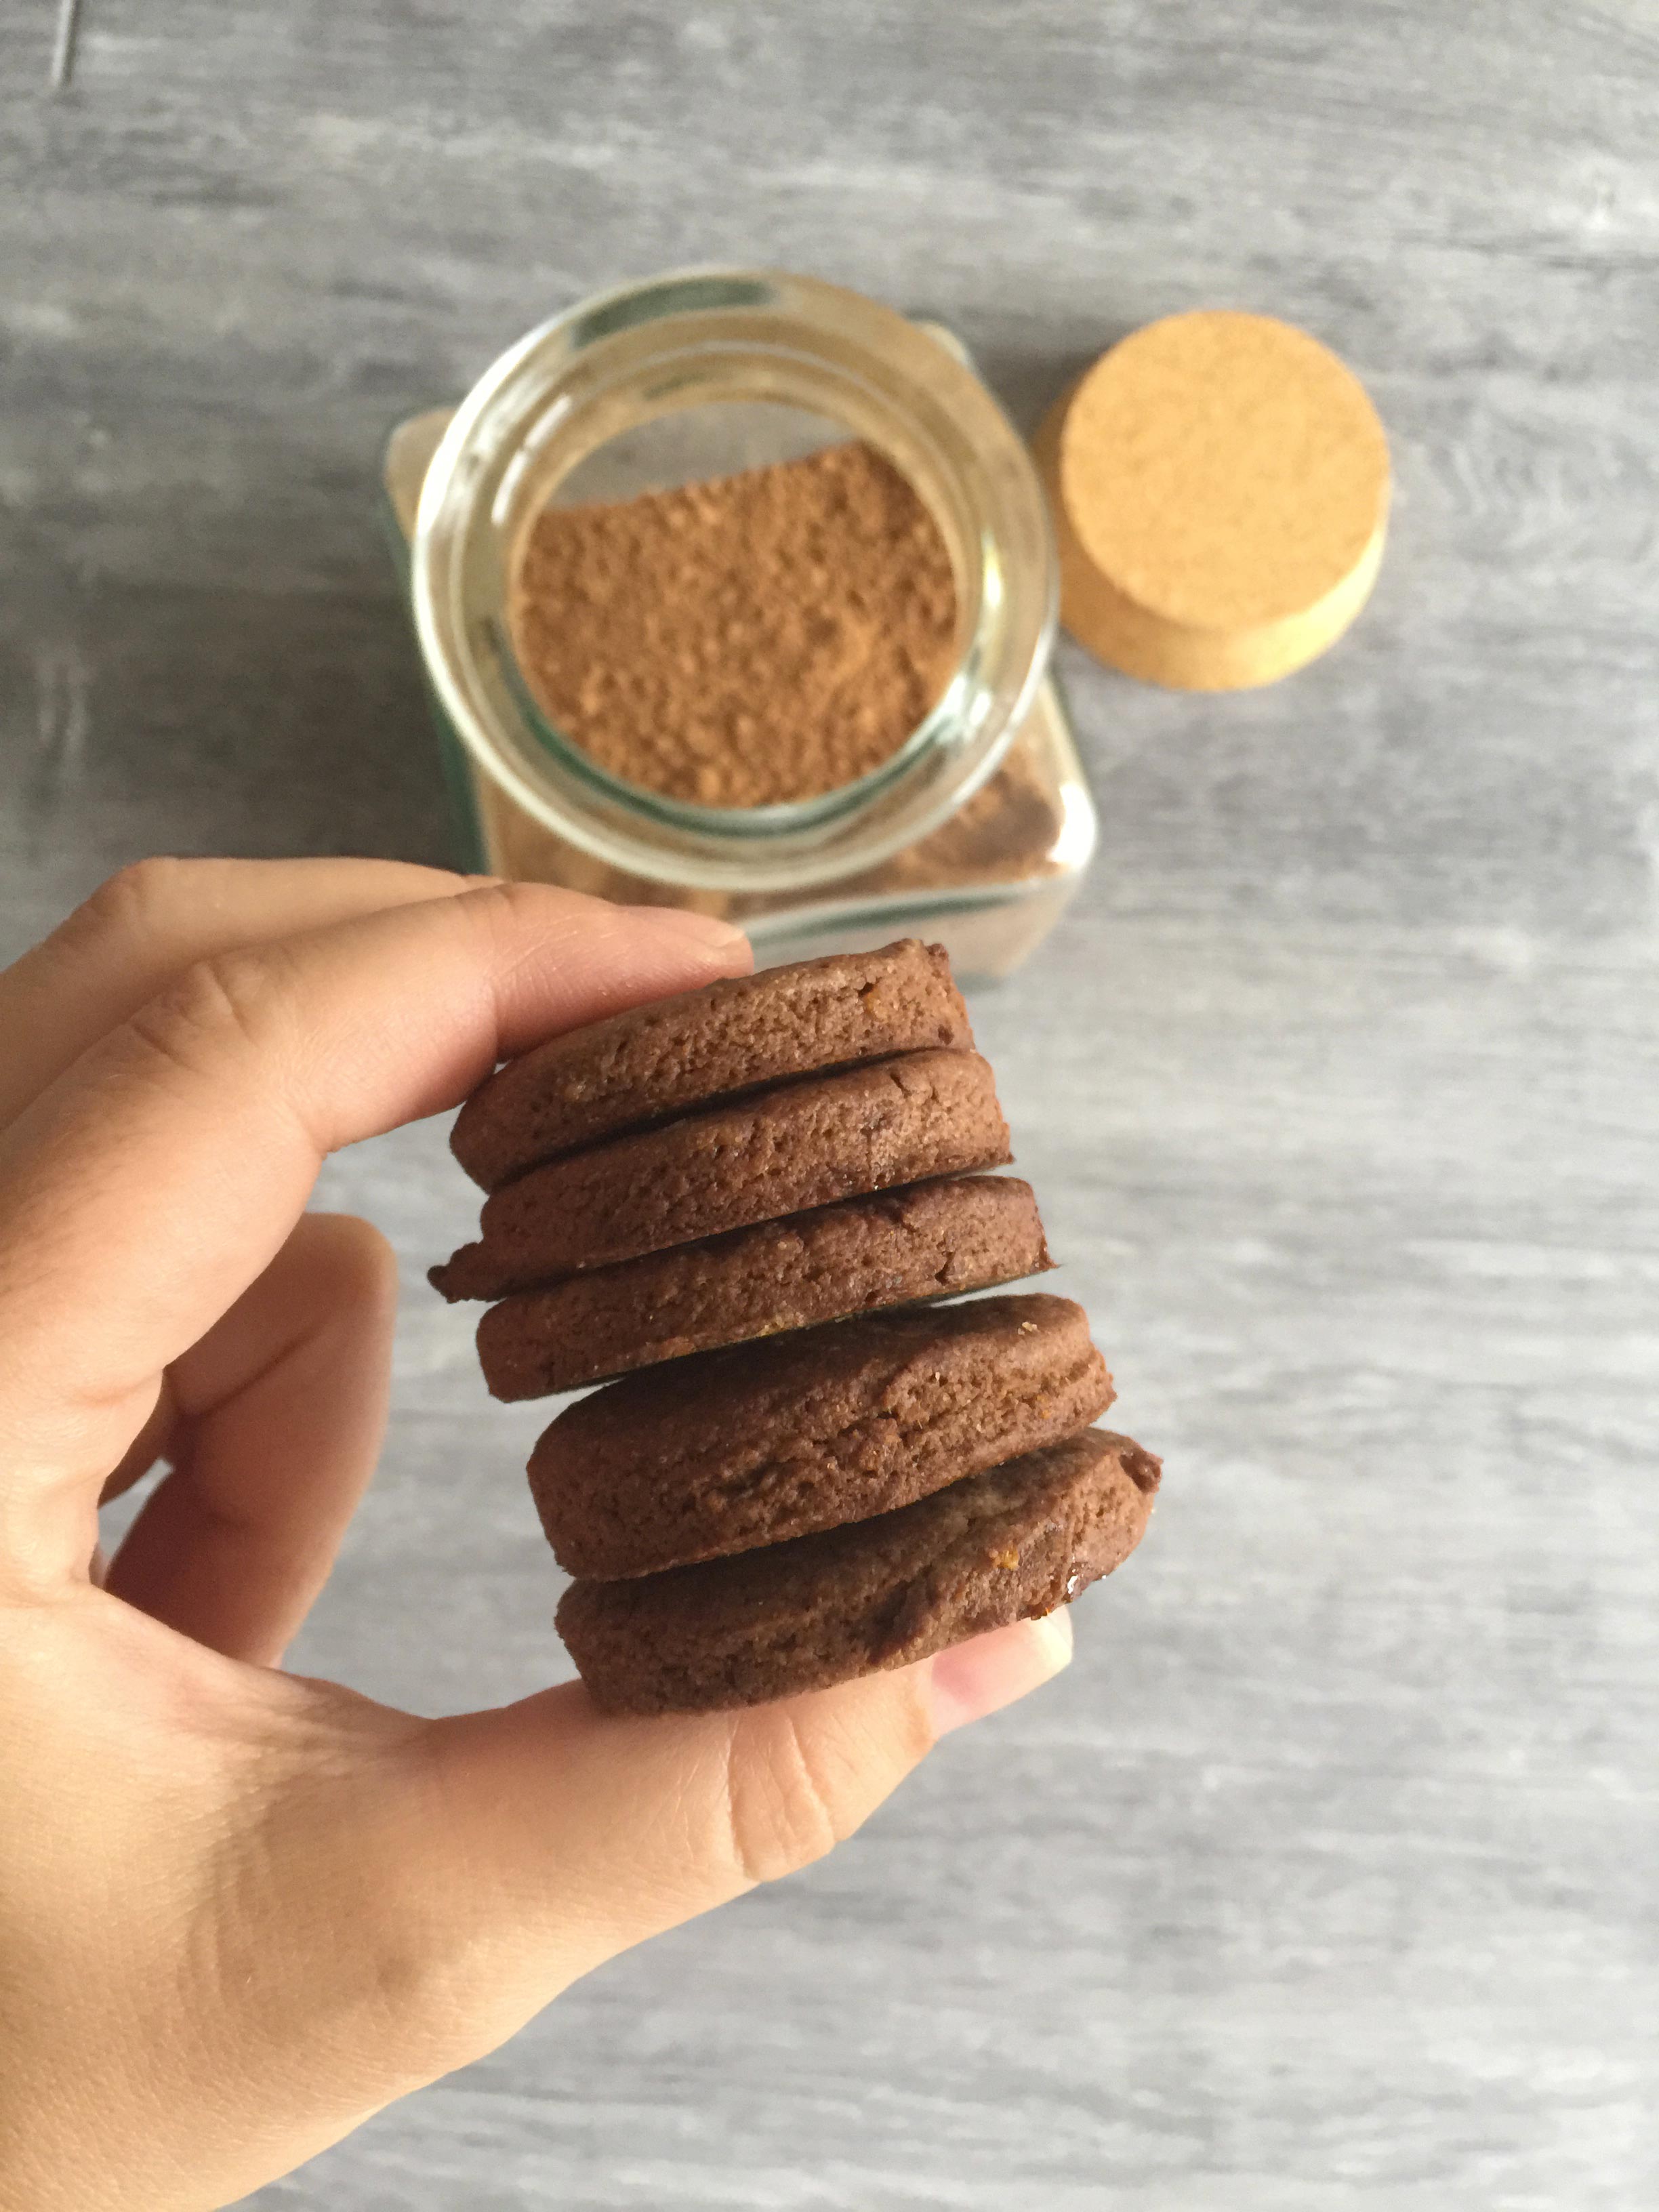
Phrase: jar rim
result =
(545, 403)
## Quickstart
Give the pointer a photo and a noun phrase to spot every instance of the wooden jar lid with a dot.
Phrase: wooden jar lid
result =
(1220, 488)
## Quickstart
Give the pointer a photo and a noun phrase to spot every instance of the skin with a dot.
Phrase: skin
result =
(241, 1909)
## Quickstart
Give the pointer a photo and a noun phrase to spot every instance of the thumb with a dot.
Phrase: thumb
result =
(563, 1836)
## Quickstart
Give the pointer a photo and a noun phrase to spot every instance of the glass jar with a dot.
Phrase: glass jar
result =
(974, 832)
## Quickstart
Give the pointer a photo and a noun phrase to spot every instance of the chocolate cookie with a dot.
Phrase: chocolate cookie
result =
(805, 1143)
(933, 1240)
(659, 1060)
(1004, 1546)
(726, 1451)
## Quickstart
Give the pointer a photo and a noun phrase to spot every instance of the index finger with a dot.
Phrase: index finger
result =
(146, 1188)
(146, 924)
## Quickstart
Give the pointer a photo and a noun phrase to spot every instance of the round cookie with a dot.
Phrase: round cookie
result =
(728, 1451)
(1007, 1545)
(933, 1240)
(660, 1060)
(805, 1143)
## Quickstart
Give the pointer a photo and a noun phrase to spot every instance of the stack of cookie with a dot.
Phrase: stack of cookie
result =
(743, 1203)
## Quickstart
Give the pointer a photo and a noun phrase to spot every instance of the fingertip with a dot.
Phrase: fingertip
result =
(353, 1265)
(974, 1679)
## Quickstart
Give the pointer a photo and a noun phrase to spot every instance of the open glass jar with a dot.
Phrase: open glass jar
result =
(974, 831)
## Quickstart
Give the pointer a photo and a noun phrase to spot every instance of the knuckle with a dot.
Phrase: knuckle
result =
(374, 1969)
(432, 1986)
(510, 906)
(802, 1775)
(176, 1025)
(786, 1803)
(911, 1717)
(137, 901)
(416, 1992)
(510, 897)
(231, 997)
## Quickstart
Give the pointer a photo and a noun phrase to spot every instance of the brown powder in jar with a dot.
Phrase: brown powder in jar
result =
(1005, 833)
(745, 641)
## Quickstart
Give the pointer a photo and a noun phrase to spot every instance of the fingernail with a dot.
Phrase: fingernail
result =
(705, 929)
(981, 1677)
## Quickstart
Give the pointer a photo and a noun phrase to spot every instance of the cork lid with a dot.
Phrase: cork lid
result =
(1220, 485)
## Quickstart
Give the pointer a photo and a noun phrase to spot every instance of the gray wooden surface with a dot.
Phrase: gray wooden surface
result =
(1326, 1878)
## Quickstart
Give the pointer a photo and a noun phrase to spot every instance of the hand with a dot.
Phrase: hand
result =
(240, 1910)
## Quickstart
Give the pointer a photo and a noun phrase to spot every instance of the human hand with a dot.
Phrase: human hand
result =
(240, 1910)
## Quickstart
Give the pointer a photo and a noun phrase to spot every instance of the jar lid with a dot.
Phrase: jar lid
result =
(1220, 486)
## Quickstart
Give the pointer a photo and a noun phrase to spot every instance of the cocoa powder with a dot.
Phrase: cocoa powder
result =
(744, 642)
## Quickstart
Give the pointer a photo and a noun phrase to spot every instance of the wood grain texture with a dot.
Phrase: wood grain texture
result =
(1325, 1880)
